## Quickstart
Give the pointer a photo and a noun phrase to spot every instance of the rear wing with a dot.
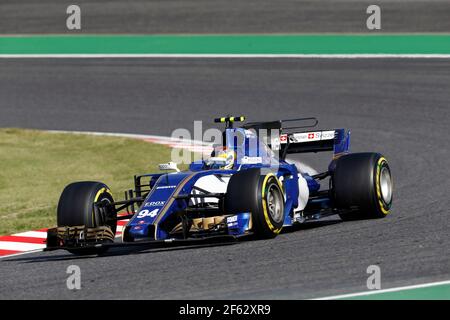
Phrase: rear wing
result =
(337, 140)
(291, 140)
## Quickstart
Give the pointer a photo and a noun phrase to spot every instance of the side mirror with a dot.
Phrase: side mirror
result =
(169, 166)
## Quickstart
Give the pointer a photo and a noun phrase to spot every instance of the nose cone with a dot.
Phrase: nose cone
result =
(158, 205)
(142, 231)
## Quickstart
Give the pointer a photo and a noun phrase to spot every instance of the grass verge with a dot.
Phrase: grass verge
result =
(37, 165)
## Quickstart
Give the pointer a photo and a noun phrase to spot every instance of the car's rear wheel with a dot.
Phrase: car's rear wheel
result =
(363, 186)
(262, 196)
(76, 208)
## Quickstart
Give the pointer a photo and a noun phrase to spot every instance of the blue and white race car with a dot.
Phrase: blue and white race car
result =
(246, 187)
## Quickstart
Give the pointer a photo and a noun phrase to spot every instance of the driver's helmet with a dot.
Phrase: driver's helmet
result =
(221, 158)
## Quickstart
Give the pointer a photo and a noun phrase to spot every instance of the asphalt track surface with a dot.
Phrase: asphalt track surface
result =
(215, 16)
(394, 106)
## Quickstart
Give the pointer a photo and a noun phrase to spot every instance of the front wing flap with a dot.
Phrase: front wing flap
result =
(155, 244)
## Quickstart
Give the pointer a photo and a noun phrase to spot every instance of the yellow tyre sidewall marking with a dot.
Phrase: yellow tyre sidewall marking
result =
(378, 185)
(99, 193)
(266, 213)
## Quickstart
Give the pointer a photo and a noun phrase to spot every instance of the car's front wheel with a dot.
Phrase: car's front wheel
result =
(76, 208)
(262, 196)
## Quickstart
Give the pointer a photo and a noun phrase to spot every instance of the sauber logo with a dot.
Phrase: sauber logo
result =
(311, 136)
(328, 135)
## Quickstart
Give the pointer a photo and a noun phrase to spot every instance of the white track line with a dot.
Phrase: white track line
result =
(192, 145)
(19, 254)
(230, 56)
(32, 234)
(160, 139)
(20, 246)
(374, 292)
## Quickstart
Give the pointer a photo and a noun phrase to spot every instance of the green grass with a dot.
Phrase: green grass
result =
(37, 165)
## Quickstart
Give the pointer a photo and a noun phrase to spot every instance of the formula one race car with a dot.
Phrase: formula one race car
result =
(246, 187)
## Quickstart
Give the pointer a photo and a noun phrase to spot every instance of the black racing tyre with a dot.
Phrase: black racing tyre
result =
(76, 208)
(362, 182)
(262, 196)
